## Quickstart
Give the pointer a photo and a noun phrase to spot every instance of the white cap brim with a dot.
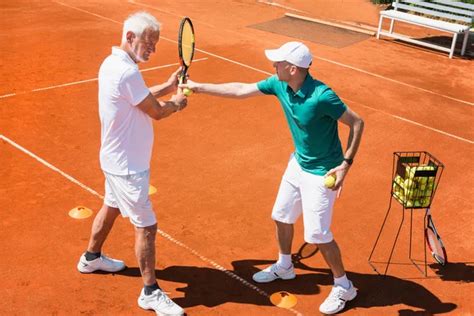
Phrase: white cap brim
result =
(274, 55)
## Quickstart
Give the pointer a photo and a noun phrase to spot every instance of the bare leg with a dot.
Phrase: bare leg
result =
(284, 237)
(145, 252)
(103, 222)
(332, 256)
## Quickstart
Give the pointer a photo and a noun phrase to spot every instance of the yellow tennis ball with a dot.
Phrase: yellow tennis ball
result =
(408, 183)
(399, 180)
(187, 92)
(330, 180)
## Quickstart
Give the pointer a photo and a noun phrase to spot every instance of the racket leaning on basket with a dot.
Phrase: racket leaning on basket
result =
(433, 240)
(306, 250)
(186, 43)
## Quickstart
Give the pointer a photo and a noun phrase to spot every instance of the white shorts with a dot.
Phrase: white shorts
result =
(130, 195)
(303, 192)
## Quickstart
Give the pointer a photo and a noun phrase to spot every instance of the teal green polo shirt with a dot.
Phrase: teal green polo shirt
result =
(312, 113)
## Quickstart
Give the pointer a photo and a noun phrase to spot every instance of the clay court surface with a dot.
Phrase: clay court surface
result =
(217, 165)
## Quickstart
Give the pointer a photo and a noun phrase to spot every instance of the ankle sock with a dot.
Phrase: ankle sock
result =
(148, 289)
(284, 261)
(92, 255)
(342, 281)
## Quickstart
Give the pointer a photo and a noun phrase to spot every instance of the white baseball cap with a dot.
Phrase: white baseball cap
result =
(293, 52)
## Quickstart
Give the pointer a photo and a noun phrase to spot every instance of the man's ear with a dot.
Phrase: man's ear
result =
(293, 69)
(130, 37)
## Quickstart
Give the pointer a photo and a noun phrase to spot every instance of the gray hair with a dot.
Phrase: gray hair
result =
(139, 22)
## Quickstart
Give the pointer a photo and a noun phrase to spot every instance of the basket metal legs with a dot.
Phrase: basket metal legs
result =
(371, 263)
(424, 246)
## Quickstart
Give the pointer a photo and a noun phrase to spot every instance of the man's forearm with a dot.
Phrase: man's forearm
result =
(161, 89)
(165, 109)
(355, 135)
(230, 90)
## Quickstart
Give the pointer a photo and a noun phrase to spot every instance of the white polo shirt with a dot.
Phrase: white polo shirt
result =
(126, 131)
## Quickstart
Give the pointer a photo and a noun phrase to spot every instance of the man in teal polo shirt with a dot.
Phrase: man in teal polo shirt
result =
(312, 110)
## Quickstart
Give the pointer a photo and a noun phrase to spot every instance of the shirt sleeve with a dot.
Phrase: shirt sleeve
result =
(133, 87)
(331, 105)
(267, 86)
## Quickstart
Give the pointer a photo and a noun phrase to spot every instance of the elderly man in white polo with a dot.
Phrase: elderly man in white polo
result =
(126, 109)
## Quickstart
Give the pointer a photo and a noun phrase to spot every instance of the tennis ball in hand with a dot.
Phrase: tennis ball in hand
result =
(330, 180)
(187, 92)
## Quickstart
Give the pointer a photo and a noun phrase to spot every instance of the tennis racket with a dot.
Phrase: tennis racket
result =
(433, 240)
(306, 250)
(185, 46)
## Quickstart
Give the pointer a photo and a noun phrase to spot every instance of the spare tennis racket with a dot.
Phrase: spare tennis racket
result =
(186, 43)
(433, 240)
(306, 250)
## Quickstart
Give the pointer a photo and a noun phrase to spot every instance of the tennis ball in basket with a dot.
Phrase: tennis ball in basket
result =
(418, 203)
(330, 180)
(409, 184)
(399, 180)
(187, 92)
(423, 180)
(409, 172)
(410, 194)
(395, 187)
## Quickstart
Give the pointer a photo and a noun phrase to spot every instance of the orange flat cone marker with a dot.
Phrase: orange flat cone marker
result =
(80, 212)
(283, 299)
(151, 190)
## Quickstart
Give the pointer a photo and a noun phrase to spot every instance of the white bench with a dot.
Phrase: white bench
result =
(457, 19)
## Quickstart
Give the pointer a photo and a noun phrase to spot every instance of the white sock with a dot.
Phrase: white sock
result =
(284, 261)
(342, 281)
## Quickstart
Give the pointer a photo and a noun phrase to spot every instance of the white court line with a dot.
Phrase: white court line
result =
(90, 80)
(414, 123)
(393, 80)
(7, 95)
(88, 12)
(270, 2)
(166, 12)
(168, 39)
(50, 166)
(161, 232)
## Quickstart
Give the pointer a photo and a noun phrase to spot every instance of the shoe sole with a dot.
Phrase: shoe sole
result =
(158, 313)
(83, 271)
(344, 306)
(277, 278)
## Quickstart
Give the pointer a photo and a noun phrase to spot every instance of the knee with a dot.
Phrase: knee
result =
(320, 238)
(147, 232)
(151, 230)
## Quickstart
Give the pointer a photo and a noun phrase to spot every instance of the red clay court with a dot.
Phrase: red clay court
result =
(217, 165)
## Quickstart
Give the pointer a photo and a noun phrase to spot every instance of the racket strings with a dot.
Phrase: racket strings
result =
(187, 43)
(308, 250)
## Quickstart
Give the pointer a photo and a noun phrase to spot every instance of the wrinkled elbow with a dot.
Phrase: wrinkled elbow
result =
(156, 115)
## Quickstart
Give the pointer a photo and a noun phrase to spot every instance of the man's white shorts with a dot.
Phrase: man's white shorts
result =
(130, 195)
(303, 192)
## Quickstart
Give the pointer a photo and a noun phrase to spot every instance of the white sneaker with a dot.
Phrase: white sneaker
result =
(160, 303)
(336, 301)
(273, 272)
(103, 263)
